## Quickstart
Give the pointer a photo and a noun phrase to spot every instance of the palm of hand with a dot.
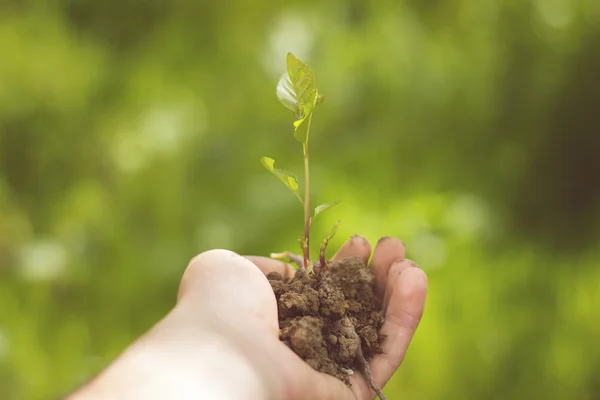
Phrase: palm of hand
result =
(245, 316)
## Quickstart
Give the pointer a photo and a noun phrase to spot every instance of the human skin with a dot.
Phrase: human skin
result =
(221, 340)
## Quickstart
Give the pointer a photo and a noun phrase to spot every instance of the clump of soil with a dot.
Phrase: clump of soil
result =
(331, 320)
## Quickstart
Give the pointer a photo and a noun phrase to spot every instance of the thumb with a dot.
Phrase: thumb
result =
(228, 285)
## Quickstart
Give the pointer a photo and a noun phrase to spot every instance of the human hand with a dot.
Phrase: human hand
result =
(221, 339)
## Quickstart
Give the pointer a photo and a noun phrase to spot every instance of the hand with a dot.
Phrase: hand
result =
(221, 339)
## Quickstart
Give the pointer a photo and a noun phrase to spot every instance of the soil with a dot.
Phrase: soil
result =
(332, 320)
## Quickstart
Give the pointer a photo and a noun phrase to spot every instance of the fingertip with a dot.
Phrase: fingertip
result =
(356, 246)
(423, 278)
(407, 300)
(397, 267)
(202, 266)
(389, 240)
(224, 282)
(388, 250)
(417, 279)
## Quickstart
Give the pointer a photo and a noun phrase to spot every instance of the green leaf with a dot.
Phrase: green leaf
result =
(303, 84)
(319, 209)
(325, 242)
(331, 233)
(285, 256)
(296, 91)
(280, 256)
(287, 96)
(301, 131)
(288, 179)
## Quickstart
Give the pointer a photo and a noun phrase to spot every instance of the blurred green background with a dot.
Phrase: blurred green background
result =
(130, 139)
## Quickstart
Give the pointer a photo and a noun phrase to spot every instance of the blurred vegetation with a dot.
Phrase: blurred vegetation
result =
(130, 138)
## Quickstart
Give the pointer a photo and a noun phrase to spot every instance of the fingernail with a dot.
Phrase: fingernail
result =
(383, 239)
(357, 236)
(403, 267)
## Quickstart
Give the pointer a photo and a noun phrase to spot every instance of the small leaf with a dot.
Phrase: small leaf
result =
(319, 209)
(280, 256)
(325, 242)
(303, 83)
(296, 91)
(298, 122)
(301, 131)
(286, 95)
(288, 179)
(332, 232)
(287, 258)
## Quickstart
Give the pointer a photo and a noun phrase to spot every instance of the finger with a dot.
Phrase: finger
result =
(222, 282)
(404, 312)
(387, 250)
(268, 265)
(393, 275)
(356, 246)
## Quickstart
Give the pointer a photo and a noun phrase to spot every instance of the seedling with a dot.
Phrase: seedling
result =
(296, 91)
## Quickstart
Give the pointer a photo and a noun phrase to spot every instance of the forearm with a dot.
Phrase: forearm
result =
(177, 360)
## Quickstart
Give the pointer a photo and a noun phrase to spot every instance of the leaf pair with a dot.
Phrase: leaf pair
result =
(296, 91)
(291, 182)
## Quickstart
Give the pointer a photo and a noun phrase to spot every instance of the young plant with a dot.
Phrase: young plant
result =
(296, 91)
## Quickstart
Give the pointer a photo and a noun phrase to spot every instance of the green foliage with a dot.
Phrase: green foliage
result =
(287, 178)
(296, 91)
(323, 207)
(287, 257)
(331, 232)
(325, 242)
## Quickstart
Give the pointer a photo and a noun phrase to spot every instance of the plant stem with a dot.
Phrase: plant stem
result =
(322, 261)
(306, 242)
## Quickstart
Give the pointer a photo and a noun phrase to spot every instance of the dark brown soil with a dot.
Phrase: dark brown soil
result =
(331, 320)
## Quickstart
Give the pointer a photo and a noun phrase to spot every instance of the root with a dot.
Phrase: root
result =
(366, 372)
(348, 330)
